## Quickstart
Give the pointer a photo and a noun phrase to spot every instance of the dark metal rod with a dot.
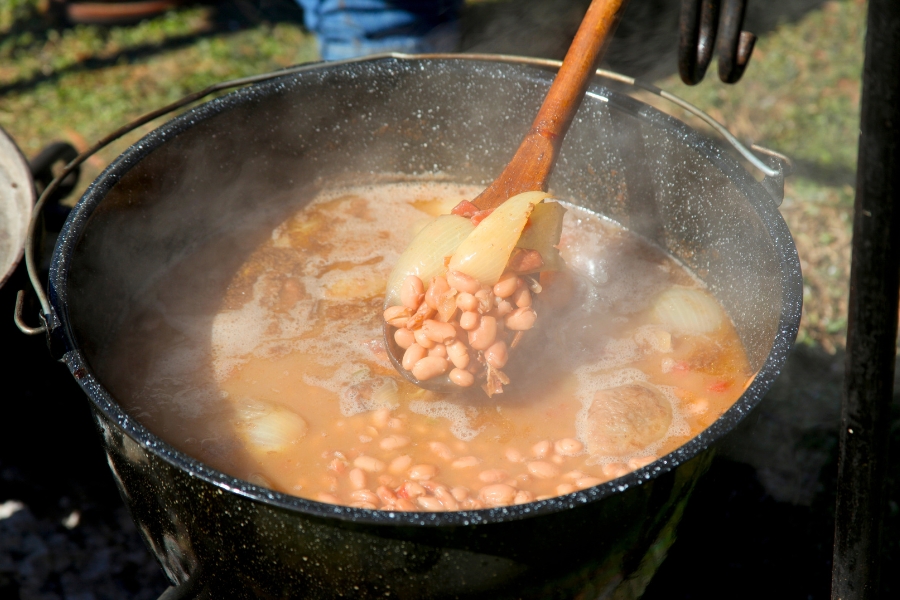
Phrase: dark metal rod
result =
(872, 315)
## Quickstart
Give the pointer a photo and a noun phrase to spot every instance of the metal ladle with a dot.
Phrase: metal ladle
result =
(533, 162)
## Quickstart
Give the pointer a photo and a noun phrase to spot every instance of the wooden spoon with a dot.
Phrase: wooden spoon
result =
(533, 162)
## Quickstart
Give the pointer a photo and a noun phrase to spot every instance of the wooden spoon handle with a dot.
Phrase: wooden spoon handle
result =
(533, 162)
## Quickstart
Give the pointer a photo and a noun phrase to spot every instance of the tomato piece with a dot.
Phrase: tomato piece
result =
(465, 209)
(480, 216)
(719, 386)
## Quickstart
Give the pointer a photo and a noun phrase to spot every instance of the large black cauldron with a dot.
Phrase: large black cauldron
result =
(218, 173)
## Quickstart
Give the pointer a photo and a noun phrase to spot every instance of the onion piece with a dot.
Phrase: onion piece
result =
(424, 257)
(687, 310)
(544, 233)
(269, 428)
(484, 253)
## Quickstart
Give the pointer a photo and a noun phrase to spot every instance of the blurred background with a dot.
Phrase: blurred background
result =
(761, 523)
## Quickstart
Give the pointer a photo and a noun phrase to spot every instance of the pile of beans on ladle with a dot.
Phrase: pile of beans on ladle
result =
(461, 328)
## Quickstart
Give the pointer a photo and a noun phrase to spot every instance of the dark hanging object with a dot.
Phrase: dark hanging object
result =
(702, 23)
(872, 315)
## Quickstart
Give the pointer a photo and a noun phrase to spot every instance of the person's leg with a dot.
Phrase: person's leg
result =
(352, 28)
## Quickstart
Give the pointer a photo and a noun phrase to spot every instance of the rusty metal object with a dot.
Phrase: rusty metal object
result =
(699, 20)
(114, 13)
(708, 24)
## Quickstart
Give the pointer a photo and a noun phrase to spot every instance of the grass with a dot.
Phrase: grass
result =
(800, 96)
(80, 83)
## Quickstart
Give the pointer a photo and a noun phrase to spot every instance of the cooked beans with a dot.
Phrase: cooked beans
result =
(422, 471)
(442, 450)
(357, 478)
(521, 319)
(397, 315)
(523, 497)
(430, 367)
(469, 320)
(404, 338)
(440, 351)
(543, 469)
(541, 449)
(413, 354)
(506, 286)
(503, 309)
(496, 355)
(400, 464)
(430, 504)
(640, 462)
(568, 447)
(386, 494)
(462, 378)
(486, 312)
(412, 292)
(465, 462)
(364, 496)
(493, 476)
(422, 339)
(521, 297)
(369, 463)
(458, 354)
(498, 494)
(460, 494)
(463, 282)
(614, 470)
(466, 302)
(483, 336)
(513, 455)
(565, 488)
(438, 288)
(586, 482)
(392, 442)
(411, 489)
(438, 332)
(446, 498)
(381, 417)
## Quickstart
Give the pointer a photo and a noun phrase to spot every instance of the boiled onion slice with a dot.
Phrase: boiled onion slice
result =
(483, 255)
(687, 310)
(543, 234)
(266, 428)
(424, 257)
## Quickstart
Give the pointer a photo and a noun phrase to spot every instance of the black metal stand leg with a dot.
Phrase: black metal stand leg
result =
(872, 332)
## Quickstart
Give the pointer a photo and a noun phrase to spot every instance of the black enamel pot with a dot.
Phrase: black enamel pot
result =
(221, 172)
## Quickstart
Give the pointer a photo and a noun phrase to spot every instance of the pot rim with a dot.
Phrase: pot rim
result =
(759, 198)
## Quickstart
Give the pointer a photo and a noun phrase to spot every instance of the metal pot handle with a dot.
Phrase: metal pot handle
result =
(50, 322)
(779, 165)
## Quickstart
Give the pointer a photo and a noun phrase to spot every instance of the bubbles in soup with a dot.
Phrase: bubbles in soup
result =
(284, 381)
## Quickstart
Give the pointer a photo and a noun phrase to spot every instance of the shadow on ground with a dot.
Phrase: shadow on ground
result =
(224, 18)
(761, 522)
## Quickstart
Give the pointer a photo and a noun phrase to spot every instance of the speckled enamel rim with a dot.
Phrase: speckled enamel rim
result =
(760, 200)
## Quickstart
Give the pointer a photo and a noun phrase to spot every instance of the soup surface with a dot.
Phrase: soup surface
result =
(285, 382)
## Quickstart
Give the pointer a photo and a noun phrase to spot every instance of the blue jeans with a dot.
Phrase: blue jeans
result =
(353, 28)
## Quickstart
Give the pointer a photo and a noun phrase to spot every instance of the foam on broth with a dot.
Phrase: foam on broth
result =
(287, 384)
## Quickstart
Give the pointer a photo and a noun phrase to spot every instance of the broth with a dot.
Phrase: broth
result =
(286, 383)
